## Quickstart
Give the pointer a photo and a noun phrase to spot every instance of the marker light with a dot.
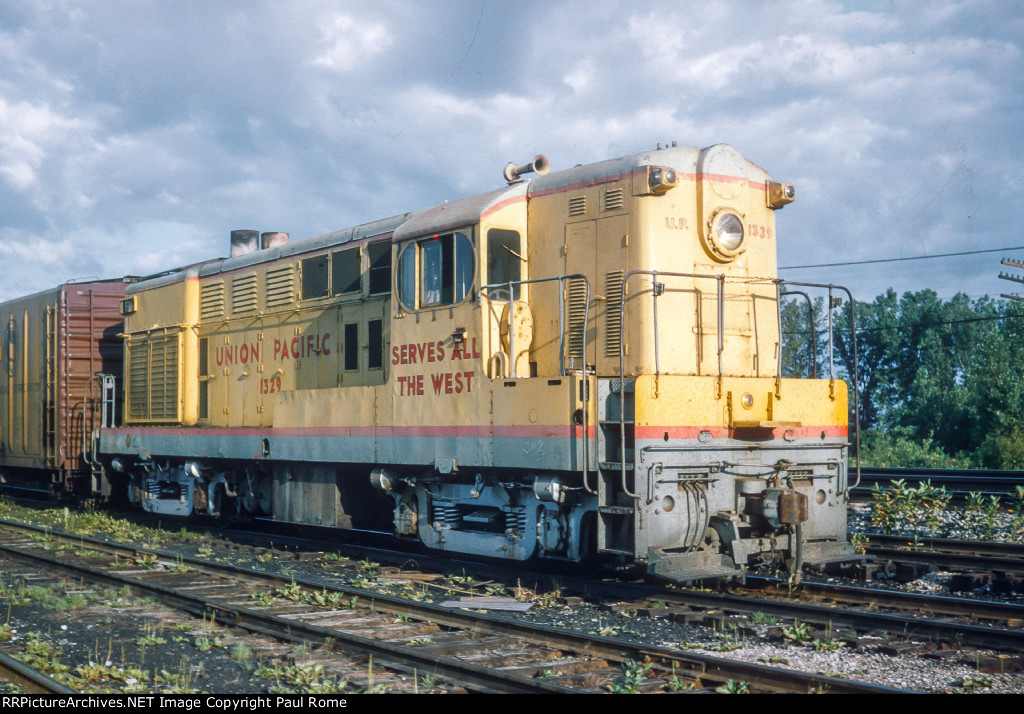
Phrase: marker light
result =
(660, 179)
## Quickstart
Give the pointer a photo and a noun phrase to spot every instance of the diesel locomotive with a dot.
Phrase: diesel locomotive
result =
(581, 366)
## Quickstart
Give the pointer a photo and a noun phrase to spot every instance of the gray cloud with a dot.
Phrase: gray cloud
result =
(133, 137)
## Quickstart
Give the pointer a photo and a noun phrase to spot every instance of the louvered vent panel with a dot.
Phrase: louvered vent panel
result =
(577, 205)
(153, 364)
(138, 380)
(613, 316)
(244, 296)
(614, 199)
(577, 304)
(280, 286)
(211, 301)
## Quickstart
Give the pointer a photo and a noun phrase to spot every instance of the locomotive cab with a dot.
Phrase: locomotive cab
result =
(707, 459)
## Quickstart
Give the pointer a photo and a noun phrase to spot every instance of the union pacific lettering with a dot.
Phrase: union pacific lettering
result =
(299, 347)
(237, 354)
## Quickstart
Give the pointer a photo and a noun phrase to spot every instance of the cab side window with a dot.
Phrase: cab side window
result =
(504, 257)
(436, 271)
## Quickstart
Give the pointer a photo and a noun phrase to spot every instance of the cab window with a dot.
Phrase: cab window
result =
(504, 257)
(436, 271)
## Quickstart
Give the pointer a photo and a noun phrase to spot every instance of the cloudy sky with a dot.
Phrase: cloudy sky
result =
(135, 135)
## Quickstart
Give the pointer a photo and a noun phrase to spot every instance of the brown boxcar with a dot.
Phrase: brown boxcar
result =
(52, 346)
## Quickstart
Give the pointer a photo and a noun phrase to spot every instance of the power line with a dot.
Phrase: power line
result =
(896, 260)
(844, 328)
(941, 323)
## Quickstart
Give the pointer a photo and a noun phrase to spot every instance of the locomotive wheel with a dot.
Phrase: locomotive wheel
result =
(117, 497)
(588, 565)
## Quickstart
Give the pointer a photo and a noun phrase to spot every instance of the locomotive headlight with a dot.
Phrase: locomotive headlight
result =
(727, 232)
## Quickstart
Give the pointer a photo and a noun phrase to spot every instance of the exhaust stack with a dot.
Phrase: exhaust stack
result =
(244, 242)
(272, 239)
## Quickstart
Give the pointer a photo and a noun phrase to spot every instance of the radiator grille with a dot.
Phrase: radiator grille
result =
(153, 368)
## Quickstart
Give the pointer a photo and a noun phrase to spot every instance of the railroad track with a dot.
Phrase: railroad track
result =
(474, 651)
(28, 679)
(958, 482)
(969, 555)
(857, 608)
(848, 608)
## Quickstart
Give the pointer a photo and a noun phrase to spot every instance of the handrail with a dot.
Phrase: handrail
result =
(813, 340)
(856, 363)
(658, 289)
(562, 345)
(105, 403)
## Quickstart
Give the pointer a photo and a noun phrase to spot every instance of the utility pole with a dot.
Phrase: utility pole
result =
(1014, 278)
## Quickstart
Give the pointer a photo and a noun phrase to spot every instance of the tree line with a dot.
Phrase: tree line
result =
(941, 382)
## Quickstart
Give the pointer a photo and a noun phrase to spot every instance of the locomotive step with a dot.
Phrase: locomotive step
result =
(616, 551)
(615, 386)
(615, 466)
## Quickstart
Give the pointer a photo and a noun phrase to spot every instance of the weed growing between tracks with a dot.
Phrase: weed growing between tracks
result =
(929, 511)
(208, 657)
(91, 640)
(89, 522)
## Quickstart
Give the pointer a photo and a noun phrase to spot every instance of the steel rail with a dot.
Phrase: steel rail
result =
(956, 481)
(905, 625)
(849, 595)
(990, 549)
(845, 615)
(31, 680)
(962, 560)
(485, 678)
(932, 604)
